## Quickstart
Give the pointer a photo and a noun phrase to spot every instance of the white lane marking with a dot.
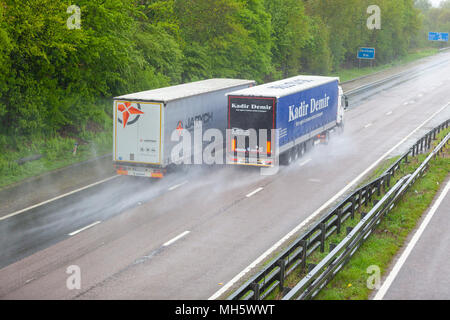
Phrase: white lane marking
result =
(303, 163)
(56, 198)
(168, 243)
(254, 192)
(82, 229)
(389, 113)
(314, 180)
(368, 125)
(318, 211)
(177, 186)
(387, 283)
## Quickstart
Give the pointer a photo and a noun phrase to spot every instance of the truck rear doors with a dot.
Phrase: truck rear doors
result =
(137, 132)
(250, 120)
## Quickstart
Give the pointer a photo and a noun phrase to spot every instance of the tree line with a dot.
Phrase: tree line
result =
(54, 79)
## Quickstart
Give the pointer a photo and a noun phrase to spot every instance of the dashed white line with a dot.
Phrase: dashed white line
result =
(389, 113)
(82, 229)
(177, 186)
(303, 163)
(386, 285)
(254, 192)
(318, 211)
(56, 198)
(168, 243)
(368, 125)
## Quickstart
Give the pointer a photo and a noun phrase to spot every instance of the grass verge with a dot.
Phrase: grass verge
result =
(354, 73)
(56, 151)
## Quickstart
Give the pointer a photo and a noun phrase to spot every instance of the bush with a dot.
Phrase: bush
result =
(58, 147)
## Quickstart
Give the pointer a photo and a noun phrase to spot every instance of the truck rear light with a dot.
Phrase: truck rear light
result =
(269, 149)
(122, 172)
(158, 175)
(233, 145)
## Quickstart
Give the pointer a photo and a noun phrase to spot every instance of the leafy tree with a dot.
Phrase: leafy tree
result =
(289, 36)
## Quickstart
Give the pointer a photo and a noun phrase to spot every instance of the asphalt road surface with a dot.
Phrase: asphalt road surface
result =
(188, 235)
(423, 271)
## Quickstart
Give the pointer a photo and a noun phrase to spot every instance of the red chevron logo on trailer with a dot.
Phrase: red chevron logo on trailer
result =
(127, 110)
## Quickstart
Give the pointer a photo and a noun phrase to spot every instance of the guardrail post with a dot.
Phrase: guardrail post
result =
(323, 231)
(332, 246)
(379, 188)
(388, 181)
(256, 290)
(434, 134)
(366, 196)
(353, 207)
(304, 245)
(339, 220)
(360, 199)
(282, 266)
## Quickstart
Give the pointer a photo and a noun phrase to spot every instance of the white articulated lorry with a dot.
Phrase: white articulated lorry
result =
(145, 121)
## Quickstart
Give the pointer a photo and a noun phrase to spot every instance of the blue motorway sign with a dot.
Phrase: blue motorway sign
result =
(438, 36)
(366, 53)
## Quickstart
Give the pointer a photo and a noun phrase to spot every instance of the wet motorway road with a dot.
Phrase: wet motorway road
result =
(185, 236)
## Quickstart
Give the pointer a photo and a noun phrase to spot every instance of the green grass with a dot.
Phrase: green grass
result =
(57, 152)
(353, 73)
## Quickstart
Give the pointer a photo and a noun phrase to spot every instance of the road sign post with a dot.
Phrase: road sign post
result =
(366, 54)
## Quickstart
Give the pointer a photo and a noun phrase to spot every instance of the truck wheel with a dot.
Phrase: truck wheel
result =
(290, 157)
(286, 158)
(302, 150)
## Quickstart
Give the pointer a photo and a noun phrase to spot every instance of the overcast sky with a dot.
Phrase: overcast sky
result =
(435, 2)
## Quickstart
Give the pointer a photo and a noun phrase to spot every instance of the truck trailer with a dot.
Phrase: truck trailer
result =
(145, 121)
(292, 113)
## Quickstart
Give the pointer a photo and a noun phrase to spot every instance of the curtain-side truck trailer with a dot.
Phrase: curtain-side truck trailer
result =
(302, 110)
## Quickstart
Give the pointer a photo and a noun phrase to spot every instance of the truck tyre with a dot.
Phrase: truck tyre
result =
(290, 157)
(302, 149)
(297, 153)
(286, 158)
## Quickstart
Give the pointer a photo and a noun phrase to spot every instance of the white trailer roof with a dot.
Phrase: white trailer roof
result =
(284, 87)
(184, 90)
